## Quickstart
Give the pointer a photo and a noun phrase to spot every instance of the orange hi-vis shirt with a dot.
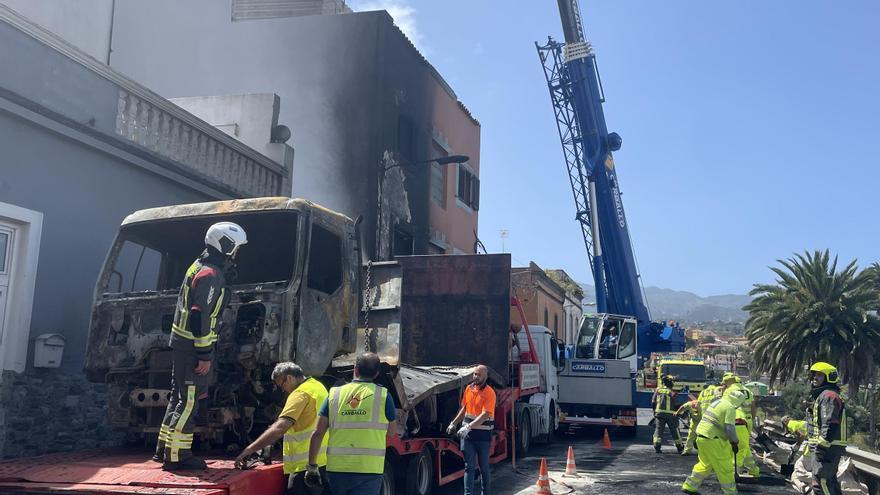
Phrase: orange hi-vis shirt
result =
(476, 401)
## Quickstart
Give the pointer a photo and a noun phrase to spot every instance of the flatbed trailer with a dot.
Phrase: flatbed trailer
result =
(425, 308)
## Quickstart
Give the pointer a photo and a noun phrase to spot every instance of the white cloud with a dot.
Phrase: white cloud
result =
(401, 11)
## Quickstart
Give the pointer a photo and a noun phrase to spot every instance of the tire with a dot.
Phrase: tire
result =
(388, 487)
(552, 426)
(420, 474)
(524, 434)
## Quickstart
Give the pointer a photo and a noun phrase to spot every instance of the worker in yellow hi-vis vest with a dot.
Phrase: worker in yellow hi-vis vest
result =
(357, 417)
(295, 423)
(717, 445)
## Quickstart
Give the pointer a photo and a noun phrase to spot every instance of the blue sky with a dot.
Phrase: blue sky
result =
(749, 129)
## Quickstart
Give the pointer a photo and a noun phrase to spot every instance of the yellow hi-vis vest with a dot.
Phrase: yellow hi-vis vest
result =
(715, 418)
(296, 443)
(664, 401)
(358, 427)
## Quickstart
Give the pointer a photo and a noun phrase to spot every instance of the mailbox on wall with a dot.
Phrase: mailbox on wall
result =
(48, 349)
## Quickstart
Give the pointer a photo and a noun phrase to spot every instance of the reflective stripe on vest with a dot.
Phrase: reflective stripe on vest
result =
(664, 401)
(710, 425)
(816, 437)
(358, 427)
(296, 443)
(488, 424)
(180, 325)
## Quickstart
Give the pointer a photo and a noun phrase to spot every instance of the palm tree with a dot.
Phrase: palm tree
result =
(815, 312)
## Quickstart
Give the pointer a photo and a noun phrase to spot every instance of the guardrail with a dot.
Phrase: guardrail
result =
(868, 466)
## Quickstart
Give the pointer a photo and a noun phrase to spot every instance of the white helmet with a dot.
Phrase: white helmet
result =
(226, 237)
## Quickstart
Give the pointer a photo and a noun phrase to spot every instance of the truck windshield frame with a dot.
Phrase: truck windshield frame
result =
(153, 256)
(682, 372)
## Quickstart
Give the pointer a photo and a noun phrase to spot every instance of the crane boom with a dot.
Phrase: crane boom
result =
(576, 93)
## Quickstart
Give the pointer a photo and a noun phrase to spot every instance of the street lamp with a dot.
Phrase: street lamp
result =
(388, 164)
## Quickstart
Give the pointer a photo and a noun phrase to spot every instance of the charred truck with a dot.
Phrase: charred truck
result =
(303, 293)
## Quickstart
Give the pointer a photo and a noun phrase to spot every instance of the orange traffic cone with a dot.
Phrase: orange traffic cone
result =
(606, 441)
(543, 479)
(570, 468)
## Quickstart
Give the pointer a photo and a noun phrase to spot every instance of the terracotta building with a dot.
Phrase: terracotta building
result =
(541, 297)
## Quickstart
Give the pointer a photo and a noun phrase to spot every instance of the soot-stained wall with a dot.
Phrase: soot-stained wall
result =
(351, 87)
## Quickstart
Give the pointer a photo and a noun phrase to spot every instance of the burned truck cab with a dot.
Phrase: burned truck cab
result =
(294, 298)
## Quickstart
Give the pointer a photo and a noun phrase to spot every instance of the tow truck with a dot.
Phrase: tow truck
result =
(303, 293)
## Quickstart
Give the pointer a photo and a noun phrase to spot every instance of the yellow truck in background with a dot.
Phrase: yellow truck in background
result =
(688, 372)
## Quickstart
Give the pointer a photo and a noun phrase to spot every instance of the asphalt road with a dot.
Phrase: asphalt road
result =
(630, 467)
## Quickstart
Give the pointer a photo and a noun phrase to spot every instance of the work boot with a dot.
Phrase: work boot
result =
(188, 464)
(687, 452)
(158, 457)
(657, 448)
(679, 448)
(689, 492)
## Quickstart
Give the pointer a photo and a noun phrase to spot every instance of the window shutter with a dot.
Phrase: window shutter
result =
(475, 194)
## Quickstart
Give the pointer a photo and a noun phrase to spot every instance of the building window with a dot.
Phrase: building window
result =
(406, 138)
(402, 243)
(468, 188)
(438, 178)
(555, 324)
(546, 320)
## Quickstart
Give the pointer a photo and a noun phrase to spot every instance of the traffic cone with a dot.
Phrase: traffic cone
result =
(570, 468)
(543, 479)
(606, 440)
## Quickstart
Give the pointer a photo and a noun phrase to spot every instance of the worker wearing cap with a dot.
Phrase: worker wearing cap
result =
(745, 413)
(196, 327)
(826, 428)
(717, 445)
(295, 425)
(478, 415)
(664, 414)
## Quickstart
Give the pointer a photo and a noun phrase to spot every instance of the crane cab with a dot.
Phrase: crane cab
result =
(606, 336)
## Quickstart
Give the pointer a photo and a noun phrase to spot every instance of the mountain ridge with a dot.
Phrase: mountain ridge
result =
(687, 307)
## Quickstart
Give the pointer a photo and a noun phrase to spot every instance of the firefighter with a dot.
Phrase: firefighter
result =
(197, 319)
(745, 413)
(717, 445)
(826, 428)
(664, 415)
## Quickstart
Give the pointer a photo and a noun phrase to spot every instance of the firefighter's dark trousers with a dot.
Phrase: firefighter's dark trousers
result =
(825, 471)
(670, 421)
(175, 434)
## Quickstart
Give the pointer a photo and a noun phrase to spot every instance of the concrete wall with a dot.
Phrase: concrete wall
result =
(344, 81)
(84, 195)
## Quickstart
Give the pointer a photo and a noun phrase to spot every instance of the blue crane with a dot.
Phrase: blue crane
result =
(577, 96)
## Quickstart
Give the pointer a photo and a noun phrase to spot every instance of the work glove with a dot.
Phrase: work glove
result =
(735, 446)
(463, 431)
(313, 477)
(450, 429)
